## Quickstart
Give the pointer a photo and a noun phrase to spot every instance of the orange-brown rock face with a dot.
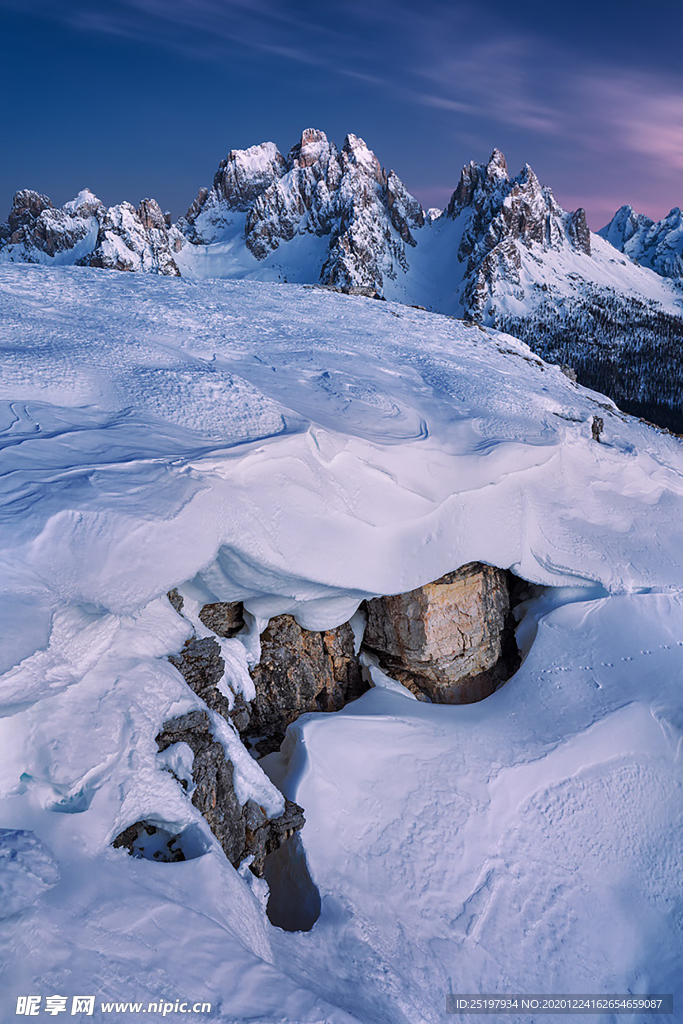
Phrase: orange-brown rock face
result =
(448, 640)
(300, 671)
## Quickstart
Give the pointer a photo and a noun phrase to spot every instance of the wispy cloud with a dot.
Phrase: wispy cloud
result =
(446, 59)
(465, 66)
(496, 79)
(200, 27)
(643, 114)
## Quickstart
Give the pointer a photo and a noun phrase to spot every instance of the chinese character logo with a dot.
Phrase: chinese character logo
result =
(28, 1006)
(83, 1004)
(55, 1005)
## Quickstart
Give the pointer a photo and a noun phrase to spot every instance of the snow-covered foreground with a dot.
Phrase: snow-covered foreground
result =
(301, 450)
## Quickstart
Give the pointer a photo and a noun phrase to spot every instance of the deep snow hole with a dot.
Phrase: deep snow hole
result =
(294, 902)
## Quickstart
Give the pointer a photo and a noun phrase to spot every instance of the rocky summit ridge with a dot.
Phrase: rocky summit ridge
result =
(365, 214)
(372, 232)
(503, 253)
(87, 233)
(369, 223)
(498, 212)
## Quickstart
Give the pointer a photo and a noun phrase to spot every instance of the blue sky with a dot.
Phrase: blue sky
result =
(143, 97)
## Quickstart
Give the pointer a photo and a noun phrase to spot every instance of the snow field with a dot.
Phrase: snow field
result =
(301, 450)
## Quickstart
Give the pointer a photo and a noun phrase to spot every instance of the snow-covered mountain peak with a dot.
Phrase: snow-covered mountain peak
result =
(497, 210)
(624, 225)
(497, 168)
(654, 244)
(357, 153)
(524, 208)
(27, 205)
(151, 215)
(313, 148)
(345, 216)
(241, 177)
(479, 182)
(245, 173)
(36, 231)
(84, 201)
(84, 231)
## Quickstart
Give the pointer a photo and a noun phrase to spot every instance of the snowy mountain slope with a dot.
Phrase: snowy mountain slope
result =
(301, 450)
(87, 233)
(654, 244)
(530, 268)
(503, 253)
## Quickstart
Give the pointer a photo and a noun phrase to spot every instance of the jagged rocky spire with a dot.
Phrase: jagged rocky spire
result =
(345, 196)
(85, 232)
(499, 211)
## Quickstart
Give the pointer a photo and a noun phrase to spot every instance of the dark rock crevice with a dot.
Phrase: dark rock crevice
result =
(202, 666)
(294, 902)
(242, 830)
(300, 670)
(152, 841)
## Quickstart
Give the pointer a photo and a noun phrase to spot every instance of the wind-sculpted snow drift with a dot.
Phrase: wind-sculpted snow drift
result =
(301, 451)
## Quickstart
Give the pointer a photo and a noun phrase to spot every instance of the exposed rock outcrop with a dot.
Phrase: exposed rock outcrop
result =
(452, 640)
(300, 670)
(225, 618)
(202, 666)
(242, 830)
(36, 232)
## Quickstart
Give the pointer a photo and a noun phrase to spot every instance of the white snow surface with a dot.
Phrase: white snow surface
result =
(301, 450)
